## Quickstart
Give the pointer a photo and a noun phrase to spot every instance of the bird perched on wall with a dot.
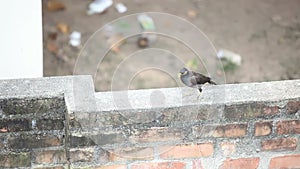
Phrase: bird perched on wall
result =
(194, 79)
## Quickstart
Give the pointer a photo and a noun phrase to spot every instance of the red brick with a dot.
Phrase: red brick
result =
(186, 151)
(293, 106)
(34, 141)
(82, 155)
(82, 141)
(103, 156)
(159, 165)
(279, 144)
(27, 106)
(112, 167)
(50, 157)
(50, 124)
(285, 162)
(228, 148)
(288, 127)
(230, 130)
(272, 110)
(155, 134)
(57, 167)
(241, 163)
(105, 138)
(14, 125)
(249, 111)
(131, 153)
(197, 164)
(263, 128)
(15, 160)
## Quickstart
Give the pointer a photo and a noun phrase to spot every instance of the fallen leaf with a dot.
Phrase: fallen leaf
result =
(54, 5)
(52, 35)
(115, 49)
(62, 27)
(192, 13)
(115, 42)
(143, 42)
(52, 47)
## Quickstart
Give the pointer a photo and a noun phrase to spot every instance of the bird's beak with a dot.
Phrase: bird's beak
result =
(179, 75)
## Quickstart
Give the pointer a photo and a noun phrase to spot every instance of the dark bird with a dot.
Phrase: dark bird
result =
(194, 79)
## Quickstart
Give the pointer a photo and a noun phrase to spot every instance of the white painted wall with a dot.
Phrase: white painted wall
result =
(21, 45)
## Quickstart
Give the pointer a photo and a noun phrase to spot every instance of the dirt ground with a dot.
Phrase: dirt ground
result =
(265, 33)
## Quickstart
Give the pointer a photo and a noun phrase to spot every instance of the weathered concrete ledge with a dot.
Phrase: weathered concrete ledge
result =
(77, 90)
(61, 122)
(81, 89)
(220, 94)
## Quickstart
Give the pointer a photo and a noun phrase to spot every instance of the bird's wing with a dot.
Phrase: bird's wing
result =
(200, 79)
(193, 80)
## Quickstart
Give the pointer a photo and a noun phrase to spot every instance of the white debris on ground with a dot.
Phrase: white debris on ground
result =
(147, 25)
(146, 22)
(121, 8)
(230, 56)
(75, 38)
(99, 6)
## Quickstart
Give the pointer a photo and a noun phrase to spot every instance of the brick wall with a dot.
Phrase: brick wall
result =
(252, 135)
(32, 132)
(254, 125)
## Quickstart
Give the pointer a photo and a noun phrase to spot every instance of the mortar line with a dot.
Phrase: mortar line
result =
(67, 133)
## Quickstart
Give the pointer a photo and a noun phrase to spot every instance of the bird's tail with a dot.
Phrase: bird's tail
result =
(212, 82)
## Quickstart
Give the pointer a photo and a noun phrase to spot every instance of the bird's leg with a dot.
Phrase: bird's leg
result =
(200, 92)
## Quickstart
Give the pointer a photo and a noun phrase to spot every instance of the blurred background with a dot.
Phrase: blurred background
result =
(257, 40)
